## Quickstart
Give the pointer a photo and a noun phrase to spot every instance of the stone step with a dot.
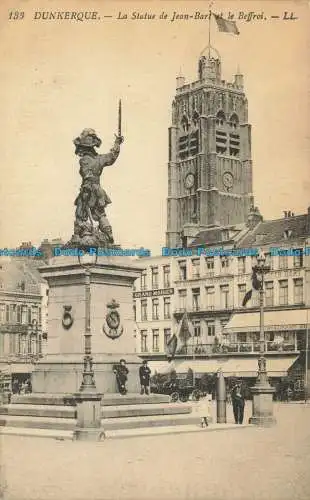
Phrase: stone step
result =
(38, 410)
(106, 412)
(177, 429)
(107, 423)
(37, 422)
(40, 433)
(107, 400)
(149, 421)
(122, 433)
(140, 410)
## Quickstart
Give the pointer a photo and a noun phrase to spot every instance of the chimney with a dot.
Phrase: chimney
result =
(285, 214)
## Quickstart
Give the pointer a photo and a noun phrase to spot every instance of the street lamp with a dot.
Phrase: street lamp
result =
(88, 400)
(262, 391)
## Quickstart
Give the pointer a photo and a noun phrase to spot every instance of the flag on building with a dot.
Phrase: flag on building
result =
(226, 25)
(184, 332)
(256, 284)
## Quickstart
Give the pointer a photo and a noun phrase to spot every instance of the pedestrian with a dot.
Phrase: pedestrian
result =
(121, 371)
(144, 374)
(238, 400)
(203, 409)
(28, 386)
(15, 386)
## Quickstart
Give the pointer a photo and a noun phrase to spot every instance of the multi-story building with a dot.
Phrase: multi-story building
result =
(23, 317)
(210, 206)
(210, 288)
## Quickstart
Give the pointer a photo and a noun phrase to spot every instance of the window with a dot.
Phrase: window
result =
(210, 328)
(7, 313)
(224, 262)
(135, 311)
(143, 334)
(154, 277)
(269, 261)
(155, 340)
(2, 313)
(166, 307)
(23, 345)
(283, 292)
(225, 235)
(144, 310)
(182, 299)
(13, 313)
(210, 293)
(29, 315)
(224, 291)
(143, 280)
(241, 294)
(154, 308)
(14, 344)
(196, 326)
(24, 314)
(18, 314)
(234, 144)
(241, 337)
(166, 276)
(39, 315)
(1, 344)
(241, 265)
(196, 268)
(210, 264)
(33, 344)
(298, 291)
(298, 257)
(182, 270)
(167, 336)
(196, 299)
(283, 262)
(269, 297)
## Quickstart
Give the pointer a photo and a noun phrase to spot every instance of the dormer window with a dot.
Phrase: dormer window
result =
(225, 235)
(287, 234)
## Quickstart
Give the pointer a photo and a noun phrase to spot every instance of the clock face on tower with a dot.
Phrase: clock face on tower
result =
(228, 180)
(189, 181)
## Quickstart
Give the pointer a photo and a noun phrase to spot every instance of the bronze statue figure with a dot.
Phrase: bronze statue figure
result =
(92, 199)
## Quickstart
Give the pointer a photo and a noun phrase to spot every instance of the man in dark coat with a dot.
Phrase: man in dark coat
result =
(238, 400)
(121, 371)
(144, 373)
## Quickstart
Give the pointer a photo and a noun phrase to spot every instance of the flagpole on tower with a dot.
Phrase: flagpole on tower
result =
(210, 15)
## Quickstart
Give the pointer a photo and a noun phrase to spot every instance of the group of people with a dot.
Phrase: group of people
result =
(121, 372)
(19, 387)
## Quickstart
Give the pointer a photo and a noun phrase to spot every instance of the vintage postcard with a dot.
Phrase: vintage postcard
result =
(154, 249)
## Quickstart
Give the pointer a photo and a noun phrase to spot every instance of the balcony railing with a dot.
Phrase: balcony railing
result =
(234, 348)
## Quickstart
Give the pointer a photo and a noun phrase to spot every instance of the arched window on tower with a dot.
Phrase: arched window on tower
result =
(234, 136)
(221, 134)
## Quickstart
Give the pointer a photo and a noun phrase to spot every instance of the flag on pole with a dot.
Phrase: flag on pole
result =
(184, 332)
(256, 284)
(226, 25)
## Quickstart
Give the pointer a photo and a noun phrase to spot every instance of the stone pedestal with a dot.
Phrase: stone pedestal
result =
(262, 414)
(111, 282)
(88, 425)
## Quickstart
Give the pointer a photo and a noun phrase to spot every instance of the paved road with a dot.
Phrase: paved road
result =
(242, 464)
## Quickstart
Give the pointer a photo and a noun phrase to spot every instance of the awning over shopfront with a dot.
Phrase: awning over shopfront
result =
(241, 367)
(293, 319)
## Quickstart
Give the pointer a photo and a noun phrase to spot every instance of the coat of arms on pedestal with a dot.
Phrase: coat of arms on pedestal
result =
(112, 328)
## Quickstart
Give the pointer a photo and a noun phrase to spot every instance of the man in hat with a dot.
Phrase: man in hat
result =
(144, 374)
(93, 199)
(121, 371)
(238, 400)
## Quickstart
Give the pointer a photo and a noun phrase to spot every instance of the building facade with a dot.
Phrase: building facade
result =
(210, 288)
(23, 317)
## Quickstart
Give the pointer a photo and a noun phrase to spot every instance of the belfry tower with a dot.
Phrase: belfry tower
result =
(210, 166)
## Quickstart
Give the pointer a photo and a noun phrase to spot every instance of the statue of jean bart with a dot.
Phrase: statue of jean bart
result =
(91, 226)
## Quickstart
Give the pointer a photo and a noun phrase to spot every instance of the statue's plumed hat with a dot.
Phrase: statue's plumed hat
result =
(88, 138)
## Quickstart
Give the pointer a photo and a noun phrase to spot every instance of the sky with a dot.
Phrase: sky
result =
(59, 77)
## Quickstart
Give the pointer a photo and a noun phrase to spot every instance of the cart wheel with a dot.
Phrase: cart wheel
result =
(183, 398)
(196, 395)
(174, 397)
